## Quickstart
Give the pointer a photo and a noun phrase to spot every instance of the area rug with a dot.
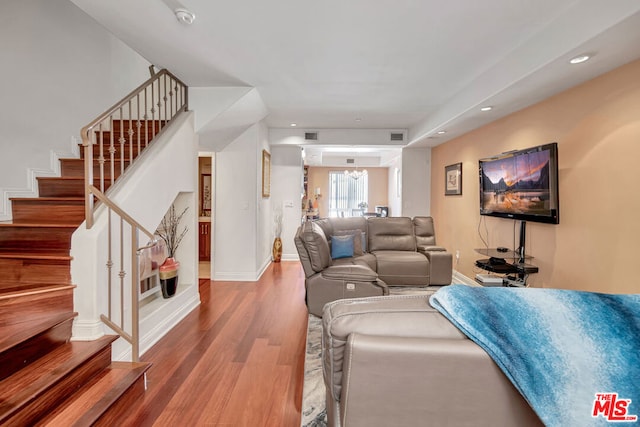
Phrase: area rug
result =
(313, 396)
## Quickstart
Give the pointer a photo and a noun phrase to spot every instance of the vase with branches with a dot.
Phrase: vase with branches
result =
(169, 230)
(171, 233)
(276, 251)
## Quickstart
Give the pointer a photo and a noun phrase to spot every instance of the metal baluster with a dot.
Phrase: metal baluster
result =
(153, 110)
(121, 140)
(135, 284)
(130, 134)
(174, 91)
(112, 150)
(109, 261)
(138, 124)
(101, 159)
(146, 118)
(165, 101)
(122, 274)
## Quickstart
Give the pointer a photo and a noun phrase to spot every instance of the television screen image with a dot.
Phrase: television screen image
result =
(521, 185)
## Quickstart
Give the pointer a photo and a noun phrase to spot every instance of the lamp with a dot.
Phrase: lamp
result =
(355, 174)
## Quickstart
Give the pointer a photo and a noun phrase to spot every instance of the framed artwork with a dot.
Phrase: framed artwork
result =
(206, 194)
(266, 173)
(453, 180)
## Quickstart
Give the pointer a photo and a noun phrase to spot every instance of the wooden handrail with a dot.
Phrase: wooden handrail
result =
(104, 199)
(150, 108)
(87, 129)
(155, 103)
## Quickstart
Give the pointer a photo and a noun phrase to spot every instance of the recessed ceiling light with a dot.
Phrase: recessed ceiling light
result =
(579, 59)
(487, 108)
(358, 119)
(442, 132)
(293, 125)
(184, 16)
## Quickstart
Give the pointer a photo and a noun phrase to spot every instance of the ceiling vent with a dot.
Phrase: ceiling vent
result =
(311, 136)
(351, 161)
(397, 136)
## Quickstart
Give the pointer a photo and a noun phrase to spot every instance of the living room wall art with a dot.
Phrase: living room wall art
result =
(453, 180)
(266, 173)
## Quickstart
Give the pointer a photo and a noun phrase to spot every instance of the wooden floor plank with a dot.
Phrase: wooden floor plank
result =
(237, 360)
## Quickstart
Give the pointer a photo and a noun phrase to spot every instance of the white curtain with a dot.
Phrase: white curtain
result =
(346, 194)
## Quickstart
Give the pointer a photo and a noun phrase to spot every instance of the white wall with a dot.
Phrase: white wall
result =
(264, 215)
(395, 187)
(286, 193)
(242, 217)
(416, 181)
(60, 69)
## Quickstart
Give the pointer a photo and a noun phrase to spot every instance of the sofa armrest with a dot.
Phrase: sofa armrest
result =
(440, 267)
(389, 380)
(359, 273)
(430, 248)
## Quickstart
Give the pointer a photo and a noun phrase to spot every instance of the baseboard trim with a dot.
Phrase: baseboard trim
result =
(290, 257)
(461, 278)
(242, 277)
(235, 277)
(159, 331)
(157, 325)
(87, 330)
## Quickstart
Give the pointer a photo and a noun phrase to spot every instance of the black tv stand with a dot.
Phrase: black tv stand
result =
(520, 268)
(506, 264)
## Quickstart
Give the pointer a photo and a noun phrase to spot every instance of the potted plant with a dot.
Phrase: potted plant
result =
(169, 231)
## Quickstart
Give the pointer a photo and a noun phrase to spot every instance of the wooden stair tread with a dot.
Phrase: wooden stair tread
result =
(95, 399)
(60, 178)
(35, 256)
(95, 160)
(26, 385)
(29, 328)
(32, 289)
(48, 199)
(36, 225)
(7, 288)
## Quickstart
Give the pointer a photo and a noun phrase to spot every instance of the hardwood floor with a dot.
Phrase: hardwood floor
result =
(237, 360)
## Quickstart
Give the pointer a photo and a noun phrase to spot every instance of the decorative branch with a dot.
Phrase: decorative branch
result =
(277, 221)
(168, 230)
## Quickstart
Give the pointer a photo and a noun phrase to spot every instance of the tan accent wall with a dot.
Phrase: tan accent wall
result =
(595, 246)
(378, 186)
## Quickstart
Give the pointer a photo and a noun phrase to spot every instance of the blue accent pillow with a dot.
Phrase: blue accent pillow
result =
(341, 246)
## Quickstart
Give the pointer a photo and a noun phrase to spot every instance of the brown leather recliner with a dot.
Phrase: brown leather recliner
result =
(327, 282)
(396, 361)
(396, 251)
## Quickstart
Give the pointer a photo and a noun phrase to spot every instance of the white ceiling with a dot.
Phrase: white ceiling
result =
(420, 65)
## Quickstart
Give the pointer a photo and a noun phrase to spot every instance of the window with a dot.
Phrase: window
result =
(346, 194)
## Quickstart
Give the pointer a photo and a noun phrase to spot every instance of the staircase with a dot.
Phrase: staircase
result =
(46, 379)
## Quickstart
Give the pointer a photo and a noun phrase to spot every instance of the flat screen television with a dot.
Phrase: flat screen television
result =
(521, 184)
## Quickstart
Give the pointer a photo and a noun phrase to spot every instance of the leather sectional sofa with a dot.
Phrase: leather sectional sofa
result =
(395, 251)
(396, 361)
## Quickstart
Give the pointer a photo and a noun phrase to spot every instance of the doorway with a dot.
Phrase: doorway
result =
(206, 185)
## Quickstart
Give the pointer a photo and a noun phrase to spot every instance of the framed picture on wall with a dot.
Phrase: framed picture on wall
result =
(205, 186)
(453, 180)
(266, 173)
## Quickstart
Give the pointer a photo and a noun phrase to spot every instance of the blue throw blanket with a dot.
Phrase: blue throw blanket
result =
(559, 348)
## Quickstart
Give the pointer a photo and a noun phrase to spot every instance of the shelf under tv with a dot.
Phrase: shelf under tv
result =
(507, 267)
